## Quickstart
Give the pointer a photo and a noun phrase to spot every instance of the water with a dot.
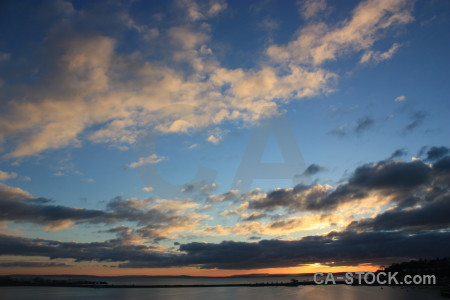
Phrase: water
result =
(223, 293)
(146, 280)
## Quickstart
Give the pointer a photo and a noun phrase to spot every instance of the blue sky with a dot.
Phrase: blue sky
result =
(162, 124)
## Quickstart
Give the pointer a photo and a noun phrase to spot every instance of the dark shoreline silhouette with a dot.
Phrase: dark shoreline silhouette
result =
(95, 284)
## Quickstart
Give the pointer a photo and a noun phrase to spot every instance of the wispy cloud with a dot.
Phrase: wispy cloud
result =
(364, 124)
(400, 98)
(377, 56)
(416, 120)
(313, 169)
(149, 160)
(398, 153)
(311, 8)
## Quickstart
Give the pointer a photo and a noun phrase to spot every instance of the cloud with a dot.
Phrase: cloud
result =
(398, 153)
(197, 11)
(149, 160)
(318, 43)
(299, 198)
(415, 196)
(31, 264)
(340, 132)
(282, 227)
(358, 248)
(311, 8)
(437, 152)
(313, 169)
(416, 120)
(254, 216)
(92, 90)
(147, 189)
(94, 251)
(7, 175)
(392, 181)
(155, 219)
(126, 236)
(347, 247)
(208, 187)
(400, 98)
(364, 124)
(230, 195)
(213, 139)
(4, 57)
(420, 208)
(428, 216)
(19, 206)
(377, 56)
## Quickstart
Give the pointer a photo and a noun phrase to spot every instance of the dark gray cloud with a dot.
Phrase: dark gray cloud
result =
(363, 247)
(364, 124)
(430, 214)
(403, 181)
(391, 175)
(416, 120)
(29, 264)
(188, 188)
(313, 169)
(442, 166)
(338, 247)
(301, 197)
(398, 153)
(16, 205)
(94, 251)
(437, 152)
(254, 216)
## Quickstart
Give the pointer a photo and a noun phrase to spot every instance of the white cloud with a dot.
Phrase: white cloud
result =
(149, 160)
(400, 98)
(377, 56)
(216, 135)
(213, 139)
(311, 8)
(7, 175)
(208, 187)
(318, 43)
(147, 189)
(201, 10)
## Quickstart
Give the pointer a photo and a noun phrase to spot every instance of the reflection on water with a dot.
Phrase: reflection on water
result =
(223, 293)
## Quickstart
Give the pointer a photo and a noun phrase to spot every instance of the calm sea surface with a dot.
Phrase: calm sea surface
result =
(217, 293)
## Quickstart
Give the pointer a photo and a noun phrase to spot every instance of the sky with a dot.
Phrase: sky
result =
(222, 137)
